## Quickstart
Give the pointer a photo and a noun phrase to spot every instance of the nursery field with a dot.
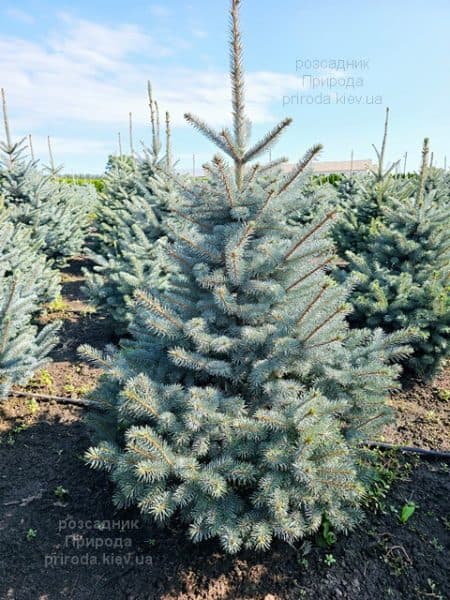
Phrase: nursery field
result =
(233, 386)
(42, 557)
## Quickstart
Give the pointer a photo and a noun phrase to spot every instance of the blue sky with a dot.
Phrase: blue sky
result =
(75, 70)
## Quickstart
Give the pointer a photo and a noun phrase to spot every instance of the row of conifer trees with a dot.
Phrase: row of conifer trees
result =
(43, 223)
(266, 317)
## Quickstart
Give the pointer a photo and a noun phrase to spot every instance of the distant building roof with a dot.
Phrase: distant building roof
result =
(337, 166)
(328, 167)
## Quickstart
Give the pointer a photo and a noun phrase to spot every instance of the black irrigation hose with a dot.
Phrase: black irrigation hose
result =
(379, 445)
(408, 450)
(58, 399)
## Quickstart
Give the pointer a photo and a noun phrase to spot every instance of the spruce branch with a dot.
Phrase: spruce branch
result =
(236, 154)
(312, 303)
(364, 423)
(168, 143)
(251, 176)
(218, 161)
(274, 163)
(380, 154)
(423, 171)
(173, 177)
(50, 153)
(267, 142)
(156, 307)
(156, 143)
(300, 279)
(187, 217)
(4, 317)
(209, 133)
(179, 258)
(130, 132)
(316, 329)
(191, 243)
(311, 232)
(146, 435)
(237, 78)
(30, 145)
(6, 121)
(318, 345)
(299, 167)
(265, 204)
(142, 402)
(158, 126)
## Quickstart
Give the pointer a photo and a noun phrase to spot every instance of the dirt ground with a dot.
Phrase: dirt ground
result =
(58, 528)
(422, 415)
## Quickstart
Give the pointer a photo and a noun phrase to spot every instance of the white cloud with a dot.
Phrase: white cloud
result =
(20, 15)
(158, 10)
(91, 75)
(199, 33)
(65, 146)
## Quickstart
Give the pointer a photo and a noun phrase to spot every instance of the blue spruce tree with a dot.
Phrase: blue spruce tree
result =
(23, 270)
(362, 199)
(130, 239)
(403, 274)
(240, 402)
(56, 212)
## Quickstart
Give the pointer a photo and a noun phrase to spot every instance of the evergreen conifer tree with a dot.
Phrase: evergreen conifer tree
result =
(241, 400)
(23, 348)
(361, 201)
(56, 212)
(403, 274)
(439, 180)
(130, 241)
(317, 198)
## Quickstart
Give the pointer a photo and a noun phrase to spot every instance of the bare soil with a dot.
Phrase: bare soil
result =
(422, 415)
(56, 515)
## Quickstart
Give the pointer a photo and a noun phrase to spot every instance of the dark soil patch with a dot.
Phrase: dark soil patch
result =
(68, 374)
(48, 541)
(422, 415)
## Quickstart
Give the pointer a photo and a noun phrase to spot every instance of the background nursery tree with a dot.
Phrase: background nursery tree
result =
(23, 348)
(403, 273)
(56, 212)
(129, 241)
(241, 400)
(362, 198)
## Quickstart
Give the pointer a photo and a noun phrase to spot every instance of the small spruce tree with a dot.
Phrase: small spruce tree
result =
(403, 274)
(23, 348)
(130, 240)
(241, 400)
(56, 212)
(361, 201)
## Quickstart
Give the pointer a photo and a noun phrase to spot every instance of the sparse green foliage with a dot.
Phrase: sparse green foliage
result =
(31, 534)
(329, 560)
(61, 493)
(408, 510)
